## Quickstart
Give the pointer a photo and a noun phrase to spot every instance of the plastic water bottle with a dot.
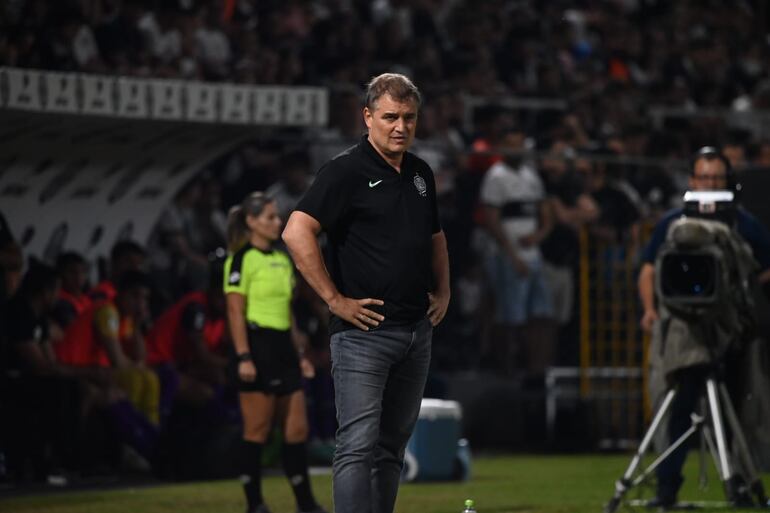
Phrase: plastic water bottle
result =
(463, 460)
(469, 508)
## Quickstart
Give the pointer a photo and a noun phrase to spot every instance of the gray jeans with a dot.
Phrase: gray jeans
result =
(379, 379)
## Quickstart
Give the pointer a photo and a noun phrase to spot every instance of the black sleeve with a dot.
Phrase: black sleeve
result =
(194, 317)
(328, 198)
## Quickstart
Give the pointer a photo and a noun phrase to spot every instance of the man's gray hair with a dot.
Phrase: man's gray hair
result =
(398, 86)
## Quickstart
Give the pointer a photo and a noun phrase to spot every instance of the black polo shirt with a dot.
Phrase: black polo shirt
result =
(379, 225)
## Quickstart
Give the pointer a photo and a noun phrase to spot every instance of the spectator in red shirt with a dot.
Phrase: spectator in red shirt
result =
(72, 269)
(187, 343)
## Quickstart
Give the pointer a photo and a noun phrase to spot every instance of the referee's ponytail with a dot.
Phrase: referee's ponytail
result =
(237, 228)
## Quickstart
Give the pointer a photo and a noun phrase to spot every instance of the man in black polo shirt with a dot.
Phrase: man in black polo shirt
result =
(386, 284)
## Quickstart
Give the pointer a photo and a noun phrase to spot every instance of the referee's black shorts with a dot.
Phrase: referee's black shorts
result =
(276, 360)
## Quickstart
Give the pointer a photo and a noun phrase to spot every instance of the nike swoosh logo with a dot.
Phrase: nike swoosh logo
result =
(374, 184)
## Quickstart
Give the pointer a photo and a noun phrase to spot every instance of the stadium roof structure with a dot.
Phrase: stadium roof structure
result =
(162, 100)
(86, 160)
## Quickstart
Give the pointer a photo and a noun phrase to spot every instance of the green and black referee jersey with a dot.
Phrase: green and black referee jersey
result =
(380, 225)
(266, 280)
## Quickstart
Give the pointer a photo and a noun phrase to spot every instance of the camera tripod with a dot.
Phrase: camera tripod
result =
(710, 423)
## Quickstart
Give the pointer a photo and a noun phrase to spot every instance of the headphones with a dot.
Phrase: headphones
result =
(711, 153)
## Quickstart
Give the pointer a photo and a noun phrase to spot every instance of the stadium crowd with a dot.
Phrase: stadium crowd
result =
(138, 348)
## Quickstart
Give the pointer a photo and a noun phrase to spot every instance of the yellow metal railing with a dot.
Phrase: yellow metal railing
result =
(613, 348)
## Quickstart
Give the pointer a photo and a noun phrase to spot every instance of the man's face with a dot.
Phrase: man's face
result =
(391, 125)
(708, 175)
(512, 144)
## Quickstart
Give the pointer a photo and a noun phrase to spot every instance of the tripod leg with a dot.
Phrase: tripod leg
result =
(719, 431)
(697, 423)
(743, 447)
(734, 489)
(623, 484)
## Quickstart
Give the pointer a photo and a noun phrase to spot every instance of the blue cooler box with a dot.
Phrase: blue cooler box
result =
(432, 449)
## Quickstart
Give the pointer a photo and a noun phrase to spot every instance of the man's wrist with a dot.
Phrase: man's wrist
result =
(244, 357)
(333, 300)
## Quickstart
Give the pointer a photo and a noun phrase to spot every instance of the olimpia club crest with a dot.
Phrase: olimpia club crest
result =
(419, 183)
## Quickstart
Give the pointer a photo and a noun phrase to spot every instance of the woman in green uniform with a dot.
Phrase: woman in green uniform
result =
(258, 285)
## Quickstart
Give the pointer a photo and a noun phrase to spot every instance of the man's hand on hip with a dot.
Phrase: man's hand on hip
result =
(439, 302)
(355, 312)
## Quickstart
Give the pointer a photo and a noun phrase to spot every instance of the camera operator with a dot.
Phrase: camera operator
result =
(710, 171)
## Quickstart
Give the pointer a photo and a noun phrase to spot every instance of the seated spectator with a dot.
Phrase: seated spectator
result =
(108, 335)
(190, 338)
(73, 300)
(42, 399)
(66, 418)
(125, 256)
